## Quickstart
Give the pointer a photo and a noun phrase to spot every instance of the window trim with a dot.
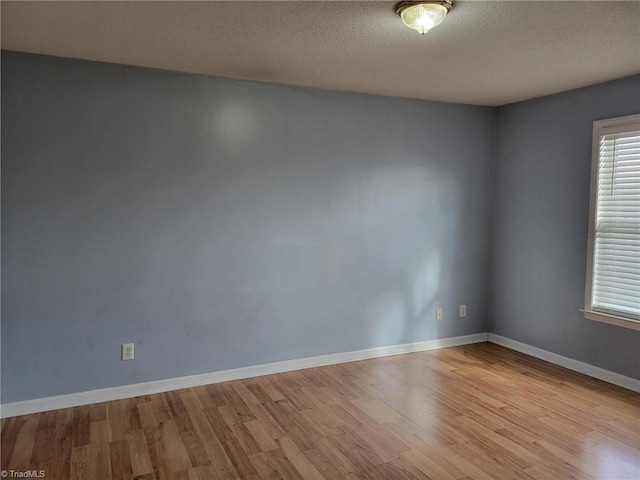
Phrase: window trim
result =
(588, 311)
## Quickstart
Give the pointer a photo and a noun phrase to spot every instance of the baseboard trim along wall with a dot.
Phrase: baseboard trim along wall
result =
(126, 391)
(575, 365)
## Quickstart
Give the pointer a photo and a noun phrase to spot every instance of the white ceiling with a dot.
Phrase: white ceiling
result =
(485, 53)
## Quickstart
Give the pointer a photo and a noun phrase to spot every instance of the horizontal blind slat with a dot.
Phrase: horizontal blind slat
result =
(622, 277)
(614, 308)
(617, 286)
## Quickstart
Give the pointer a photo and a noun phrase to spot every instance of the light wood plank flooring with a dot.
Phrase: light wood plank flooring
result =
(474, 412)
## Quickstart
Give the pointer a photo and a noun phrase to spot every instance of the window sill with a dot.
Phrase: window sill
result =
(612, 319)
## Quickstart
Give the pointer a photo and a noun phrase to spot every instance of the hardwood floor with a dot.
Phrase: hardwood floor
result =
(474, 412)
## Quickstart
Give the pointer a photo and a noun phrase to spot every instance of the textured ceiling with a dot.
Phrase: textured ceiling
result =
(486, 53)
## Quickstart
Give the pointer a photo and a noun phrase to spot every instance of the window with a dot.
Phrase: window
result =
(612, 292)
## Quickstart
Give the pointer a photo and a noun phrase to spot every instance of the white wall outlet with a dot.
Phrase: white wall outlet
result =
(127, 351)
(463, 310)
(438, 314)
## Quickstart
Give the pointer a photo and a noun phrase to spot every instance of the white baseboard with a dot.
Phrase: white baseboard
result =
(575, 365)
(126, 391)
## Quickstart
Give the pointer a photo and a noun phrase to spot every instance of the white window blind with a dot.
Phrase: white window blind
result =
(616, 248)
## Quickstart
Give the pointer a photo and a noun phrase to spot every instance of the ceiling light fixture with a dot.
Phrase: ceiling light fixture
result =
(423, 16)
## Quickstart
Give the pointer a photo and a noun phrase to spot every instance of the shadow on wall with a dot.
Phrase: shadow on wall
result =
(442, 261)
(401, 314)
(434, 248)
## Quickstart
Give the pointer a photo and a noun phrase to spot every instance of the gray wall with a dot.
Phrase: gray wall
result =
(542, 177)
(220, 223)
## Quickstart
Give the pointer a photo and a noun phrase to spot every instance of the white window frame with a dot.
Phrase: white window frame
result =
(633, 122)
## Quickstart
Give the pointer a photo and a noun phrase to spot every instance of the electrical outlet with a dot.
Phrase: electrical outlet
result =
(438, 314)
(127, 351)
(463, 310)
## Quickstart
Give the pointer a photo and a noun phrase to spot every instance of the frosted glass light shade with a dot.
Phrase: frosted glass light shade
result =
(423, 16)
